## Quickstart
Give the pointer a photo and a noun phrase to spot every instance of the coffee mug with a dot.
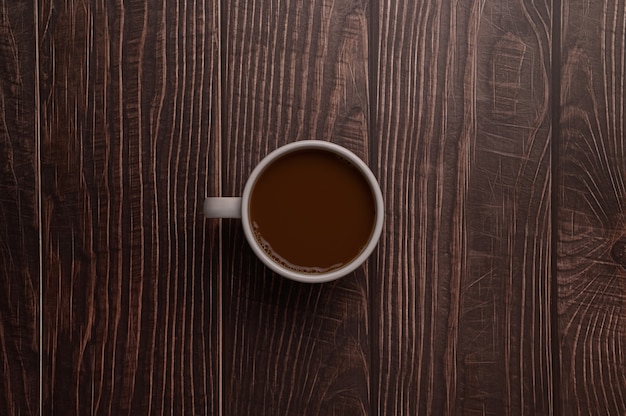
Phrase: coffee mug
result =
(312, 211)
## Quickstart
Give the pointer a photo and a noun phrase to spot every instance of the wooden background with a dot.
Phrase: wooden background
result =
(496, 129)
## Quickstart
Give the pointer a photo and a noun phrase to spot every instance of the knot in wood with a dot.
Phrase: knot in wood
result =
(618, 252)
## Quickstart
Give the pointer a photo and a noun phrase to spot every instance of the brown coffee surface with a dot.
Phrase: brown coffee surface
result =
(312, 211)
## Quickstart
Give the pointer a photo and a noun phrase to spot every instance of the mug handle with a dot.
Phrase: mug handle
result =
(222, 207)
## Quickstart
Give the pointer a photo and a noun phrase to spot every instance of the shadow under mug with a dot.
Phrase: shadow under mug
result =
(239, 207)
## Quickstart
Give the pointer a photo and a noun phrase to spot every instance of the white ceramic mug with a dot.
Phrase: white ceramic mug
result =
(238, 207)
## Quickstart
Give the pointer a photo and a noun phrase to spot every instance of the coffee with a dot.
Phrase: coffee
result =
(312, 211)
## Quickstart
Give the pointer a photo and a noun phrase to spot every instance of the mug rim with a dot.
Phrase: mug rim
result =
(313, 277)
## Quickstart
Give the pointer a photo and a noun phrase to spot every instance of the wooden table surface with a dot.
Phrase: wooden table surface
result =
(495, 127)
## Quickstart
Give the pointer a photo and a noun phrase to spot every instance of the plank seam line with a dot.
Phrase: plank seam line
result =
(556, 23)
(373, 35)
(39, 194)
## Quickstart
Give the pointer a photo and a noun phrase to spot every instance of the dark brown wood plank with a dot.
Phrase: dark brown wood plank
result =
(461, 316)
(130, 145)
(292, 70)
(19, 212)
(592, 209)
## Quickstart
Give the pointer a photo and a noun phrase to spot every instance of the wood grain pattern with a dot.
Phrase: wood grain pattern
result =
(118, 116)
(461, 293)
(592, 213)
(19, 212)
(293, 70)
(130, 146)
